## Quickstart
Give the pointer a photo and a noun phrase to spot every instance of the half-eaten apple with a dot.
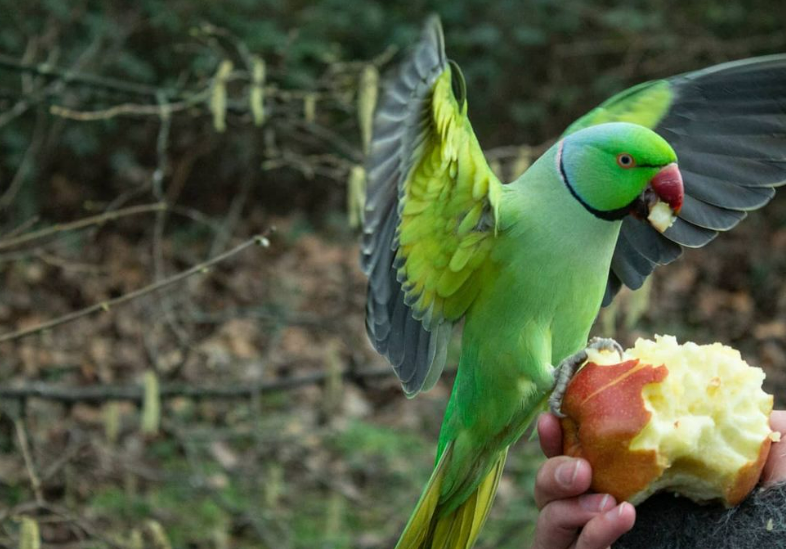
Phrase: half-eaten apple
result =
(691, 419)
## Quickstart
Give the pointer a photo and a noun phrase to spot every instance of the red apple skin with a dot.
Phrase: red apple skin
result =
(605, 411)
(747, 477)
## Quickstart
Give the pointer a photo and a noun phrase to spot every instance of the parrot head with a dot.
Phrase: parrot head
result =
(621, 169)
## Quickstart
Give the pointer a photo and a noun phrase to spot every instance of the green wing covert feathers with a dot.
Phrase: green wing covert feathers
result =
(727, 124)
(430, 214)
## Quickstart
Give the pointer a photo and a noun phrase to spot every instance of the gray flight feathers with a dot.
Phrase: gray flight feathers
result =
(414, 342)
(727, 125)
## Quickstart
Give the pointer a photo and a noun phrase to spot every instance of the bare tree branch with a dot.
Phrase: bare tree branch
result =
(98, 394)
(90, 80)
(80, 224)
(259, 240)
(127, 109)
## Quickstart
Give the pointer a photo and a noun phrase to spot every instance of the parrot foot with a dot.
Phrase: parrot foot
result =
(567, 368)
(606, 344)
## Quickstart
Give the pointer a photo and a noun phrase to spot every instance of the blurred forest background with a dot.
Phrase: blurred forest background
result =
(243, 406)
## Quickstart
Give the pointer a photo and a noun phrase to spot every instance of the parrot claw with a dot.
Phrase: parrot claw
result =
(606, 344)
(564, 373)
(567, 368)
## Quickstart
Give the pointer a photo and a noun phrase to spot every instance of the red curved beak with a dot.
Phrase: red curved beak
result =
(667, 184)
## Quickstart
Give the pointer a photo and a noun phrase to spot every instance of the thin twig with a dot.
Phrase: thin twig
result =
(70, 76)
(107, 305)
(126, 109)
(35, 481)
(234, 214)
(22, 227)
(157, 186)
(194, 215)
(70, 453)
(28, 163)
(80, 224)
(28, 100)
(69, 265)
(81, 524)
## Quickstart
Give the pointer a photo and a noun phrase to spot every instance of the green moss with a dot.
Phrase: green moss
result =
(115, 503)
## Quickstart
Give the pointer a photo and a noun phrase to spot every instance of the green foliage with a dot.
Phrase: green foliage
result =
(115, 502)
(366, 444)
(531, 68)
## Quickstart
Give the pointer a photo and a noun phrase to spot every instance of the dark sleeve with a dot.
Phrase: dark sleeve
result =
(668, 522)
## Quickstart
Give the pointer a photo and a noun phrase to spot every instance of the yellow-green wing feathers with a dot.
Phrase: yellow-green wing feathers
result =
(644, 104)
(430, 214)
(446, 215)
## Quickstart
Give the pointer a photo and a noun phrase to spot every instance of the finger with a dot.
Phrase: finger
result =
(559, 522)
(775, 467)
(605, 529)
(561, 477)
(550, 434)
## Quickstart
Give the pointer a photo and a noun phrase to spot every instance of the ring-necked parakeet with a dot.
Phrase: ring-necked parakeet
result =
(529, 264)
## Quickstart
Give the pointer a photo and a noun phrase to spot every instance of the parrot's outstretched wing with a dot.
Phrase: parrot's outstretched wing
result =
(430, 213)
(727, 125)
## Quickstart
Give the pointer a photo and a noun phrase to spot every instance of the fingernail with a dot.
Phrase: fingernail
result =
(567, 472)
(596, 503)
(614, 514)
(604, 502)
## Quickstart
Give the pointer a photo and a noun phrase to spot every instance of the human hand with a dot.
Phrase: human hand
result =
(775, 468)
(571, 517)
(568, 518)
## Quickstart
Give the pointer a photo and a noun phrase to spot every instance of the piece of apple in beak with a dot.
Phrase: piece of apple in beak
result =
(669, 193)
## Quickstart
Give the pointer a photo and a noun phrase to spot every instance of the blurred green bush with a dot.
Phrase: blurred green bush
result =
(531, 68)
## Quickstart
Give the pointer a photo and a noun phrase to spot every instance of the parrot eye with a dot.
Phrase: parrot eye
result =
(624, 160)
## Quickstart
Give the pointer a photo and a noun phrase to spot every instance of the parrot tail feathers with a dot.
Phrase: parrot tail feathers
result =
(428, 528)
(419, 526)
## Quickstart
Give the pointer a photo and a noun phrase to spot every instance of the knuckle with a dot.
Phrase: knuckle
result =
(545, 485)
(547, 471)
(549, 517)
(592, 538)
(544, 476)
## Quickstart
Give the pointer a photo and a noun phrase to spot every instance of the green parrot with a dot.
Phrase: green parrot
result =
(528, 265)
